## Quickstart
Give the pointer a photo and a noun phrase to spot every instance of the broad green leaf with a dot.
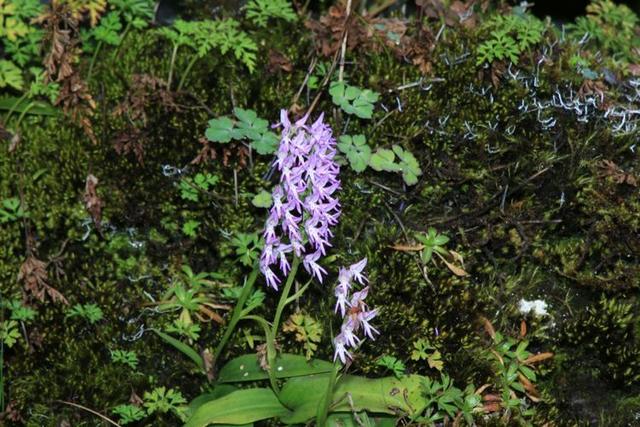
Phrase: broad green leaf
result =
(239, 407)
(382, 395)
(247, 368)
(182, 347)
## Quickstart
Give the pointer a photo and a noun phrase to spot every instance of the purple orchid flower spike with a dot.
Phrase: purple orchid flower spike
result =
(304, 206)
(354, 310)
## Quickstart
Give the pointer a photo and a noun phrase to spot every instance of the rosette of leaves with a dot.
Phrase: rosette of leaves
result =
(246, 126)
(260, 11)
(307, 330)
(353, 100)
(356, 150)
(90, 312)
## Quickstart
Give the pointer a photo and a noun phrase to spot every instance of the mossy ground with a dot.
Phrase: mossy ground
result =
(527, 207)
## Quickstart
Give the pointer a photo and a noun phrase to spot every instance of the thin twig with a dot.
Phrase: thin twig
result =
(343, 49)
(110, 421)
(312, 67)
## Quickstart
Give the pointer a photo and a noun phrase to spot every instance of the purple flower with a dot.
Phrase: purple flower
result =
(357, 316)
(304, 207)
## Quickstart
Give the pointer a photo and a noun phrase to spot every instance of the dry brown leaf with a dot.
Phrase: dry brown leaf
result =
(523, 329)
(538, 358)
(92, 202)
(406, 248)
(455, 269)
(488, 327)
(34, 274)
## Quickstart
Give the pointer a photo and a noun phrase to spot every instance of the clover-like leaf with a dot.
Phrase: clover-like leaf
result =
(267, 143)
(249, 125)
(383, 160)
(353, 100)
(220, 130)
(357, 151)
(410, 166)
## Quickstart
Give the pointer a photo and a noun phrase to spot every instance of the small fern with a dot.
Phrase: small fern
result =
(510, 35)
(609, 26)
(260, 11)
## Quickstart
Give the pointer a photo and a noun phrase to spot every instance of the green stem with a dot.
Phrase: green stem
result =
(93, 61)
(271, 349)
(237, 312)
(186, 72)
(124, 34)
(323, 409)
(285, 294)
(14, 106)
(172, 64)
(271, 338)
(26, 110)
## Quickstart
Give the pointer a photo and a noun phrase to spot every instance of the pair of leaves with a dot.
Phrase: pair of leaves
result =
(306, 386)
(353, 100)
(246, 126)
(385, 160)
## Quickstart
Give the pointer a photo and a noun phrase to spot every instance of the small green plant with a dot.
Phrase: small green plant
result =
(443, 399)
(129, 413)
(129, 358)
(608, 26)
(11, 210)
(510, 36)
(260, 11)
(433, 242)
(190, 188)
(9, 332)
(246, 126)
(91, 312)
(247, 247)
(184, 328)
(423, 350)
(307, 330)
(20, 312)
(190, 228)
(393, 364)
(356, 150)
(353, 100)
(161, 400)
